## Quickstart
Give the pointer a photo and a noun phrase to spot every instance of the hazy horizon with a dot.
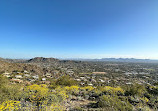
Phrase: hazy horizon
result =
(77, 58)
(79, 29)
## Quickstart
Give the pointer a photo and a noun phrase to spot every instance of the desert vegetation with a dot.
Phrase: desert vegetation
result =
(65, 92)
(42, 84)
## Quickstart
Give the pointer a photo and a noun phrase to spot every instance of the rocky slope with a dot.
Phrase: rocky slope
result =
(9, 67)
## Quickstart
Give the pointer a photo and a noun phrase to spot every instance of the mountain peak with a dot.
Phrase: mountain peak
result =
(42, 59)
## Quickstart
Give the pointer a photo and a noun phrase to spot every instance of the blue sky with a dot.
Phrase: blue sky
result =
(79, 28)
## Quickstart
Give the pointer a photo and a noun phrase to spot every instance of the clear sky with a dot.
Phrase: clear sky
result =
(79, 28)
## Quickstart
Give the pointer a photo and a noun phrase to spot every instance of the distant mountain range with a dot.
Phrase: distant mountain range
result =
(121, 60)
(35, 65)
(53, 60)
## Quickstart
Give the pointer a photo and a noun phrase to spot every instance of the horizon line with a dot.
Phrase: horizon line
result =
(78, 58)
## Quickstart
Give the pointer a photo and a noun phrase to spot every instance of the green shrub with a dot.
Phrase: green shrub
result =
(9, 91)
(66, 81)
(107, 101)
(134, 90)
(153, 90)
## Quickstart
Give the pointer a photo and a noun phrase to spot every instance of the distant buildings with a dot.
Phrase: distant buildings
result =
(18, 76)
(36, 77)
(7, 74)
